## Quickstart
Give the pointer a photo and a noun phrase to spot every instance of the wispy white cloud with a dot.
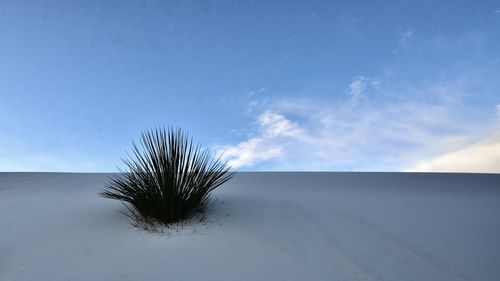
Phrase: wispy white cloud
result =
(256, 92)
(405, 37)
(250, 152)
(357, 90)
(359, 132)
(357, 87)
(275, 125)
(273, 129)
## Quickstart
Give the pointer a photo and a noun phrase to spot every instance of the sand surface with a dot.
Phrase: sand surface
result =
(264, 226)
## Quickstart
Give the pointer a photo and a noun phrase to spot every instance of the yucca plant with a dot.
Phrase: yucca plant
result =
(168, 179)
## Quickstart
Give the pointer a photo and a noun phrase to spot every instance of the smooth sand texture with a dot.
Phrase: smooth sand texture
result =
(264, 226)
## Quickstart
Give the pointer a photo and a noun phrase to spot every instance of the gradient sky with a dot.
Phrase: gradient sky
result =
(273, 85)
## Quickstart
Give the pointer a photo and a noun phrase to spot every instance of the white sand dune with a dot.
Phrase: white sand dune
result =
(264, 226)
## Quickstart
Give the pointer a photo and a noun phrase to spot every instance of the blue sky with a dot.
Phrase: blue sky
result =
(272, 85)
